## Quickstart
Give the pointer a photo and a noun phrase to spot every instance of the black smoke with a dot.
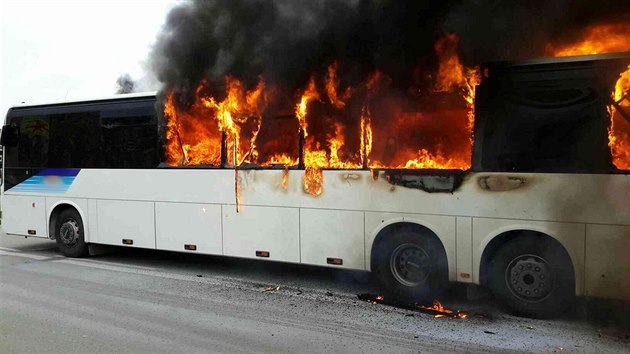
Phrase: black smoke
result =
(285, 41)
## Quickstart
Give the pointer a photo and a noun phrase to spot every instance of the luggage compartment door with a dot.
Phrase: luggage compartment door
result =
(24, 215)
(262, 232)
(188, 227)
(126, 223)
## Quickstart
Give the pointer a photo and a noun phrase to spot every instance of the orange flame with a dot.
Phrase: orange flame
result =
(332, 83)
(190, 138)
(596, 39)
(366, 135)
(443, 311)
(619, 133)
(310, 94)
(239, 106)
(336, 134)
(452, 77)
(285, 179)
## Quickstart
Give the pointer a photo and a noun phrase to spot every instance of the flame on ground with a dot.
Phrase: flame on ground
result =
(437, 309)
(443, 311)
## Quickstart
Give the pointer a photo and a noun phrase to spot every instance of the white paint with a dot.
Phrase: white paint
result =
(24, 213)
(118, 220)
(344, 221)
(275, 230)
(608, 261)
(464, 250)
(179, 224)
(332, 234)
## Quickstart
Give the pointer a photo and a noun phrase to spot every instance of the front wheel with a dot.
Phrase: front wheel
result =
(533, 277)
(69, 232)
(410, 266)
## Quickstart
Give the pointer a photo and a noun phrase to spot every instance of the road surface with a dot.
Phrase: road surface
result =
(161, 302)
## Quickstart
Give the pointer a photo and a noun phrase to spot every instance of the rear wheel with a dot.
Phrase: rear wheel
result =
(410, 266)
(70, 234)
(533, 277)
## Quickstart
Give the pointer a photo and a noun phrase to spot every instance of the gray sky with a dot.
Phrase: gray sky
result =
(66, 50)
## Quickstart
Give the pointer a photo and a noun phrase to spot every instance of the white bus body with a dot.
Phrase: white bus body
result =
(167, 209)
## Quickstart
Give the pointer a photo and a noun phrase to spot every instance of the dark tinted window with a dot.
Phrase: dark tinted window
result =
(74, 140)
(544, 119)
(129, 138)
(33, 144)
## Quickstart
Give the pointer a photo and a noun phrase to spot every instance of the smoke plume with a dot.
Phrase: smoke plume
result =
(125, 84)
(285, 41)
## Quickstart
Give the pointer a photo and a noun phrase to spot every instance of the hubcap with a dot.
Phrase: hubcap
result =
(69, 232)
(410, 264)
(529, 278)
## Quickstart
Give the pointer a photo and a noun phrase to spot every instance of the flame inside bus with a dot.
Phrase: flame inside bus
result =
(366, 125)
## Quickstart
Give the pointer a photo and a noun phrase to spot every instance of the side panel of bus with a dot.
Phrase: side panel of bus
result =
(24, 215)
(587, 214)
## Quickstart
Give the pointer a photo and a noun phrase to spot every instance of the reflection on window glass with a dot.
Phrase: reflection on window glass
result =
(32, 149)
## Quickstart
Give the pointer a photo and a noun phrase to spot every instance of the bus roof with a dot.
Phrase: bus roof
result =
(84, 100)
(559, 60)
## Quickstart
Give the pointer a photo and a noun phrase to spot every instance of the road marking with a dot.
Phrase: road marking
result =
(116, 263)
(133, 270)
(25, 255)
(9, 249)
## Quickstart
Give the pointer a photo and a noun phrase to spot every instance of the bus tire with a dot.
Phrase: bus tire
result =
(70, 234)
(411, 266)
(532, 277)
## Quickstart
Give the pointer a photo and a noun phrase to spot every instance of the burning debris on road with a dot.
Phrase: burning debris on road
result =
(437, 310)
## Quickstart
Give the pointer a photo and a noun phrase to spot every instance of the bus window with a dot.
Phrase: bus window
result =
(32, 149)
(129, 138)
(277, 142)
(74, 141)
(536, 126)
(31, 153)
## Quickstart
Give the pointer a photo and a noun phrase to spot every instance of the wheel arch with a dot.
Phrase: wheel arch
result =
(391, 226)
(56, 209)
(494, 242)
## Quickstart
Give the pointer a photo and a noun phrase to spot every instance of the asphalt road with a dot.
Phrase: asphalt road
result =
(149, 301)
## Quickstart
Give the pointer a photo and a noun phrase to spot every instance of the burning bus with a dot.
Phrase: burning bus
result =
(333, 135)
(528, 198)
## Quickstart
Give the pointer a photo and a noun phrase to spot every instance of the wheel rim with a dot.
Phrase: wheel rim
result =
(410, 264)
(69, 232)
(529, 278)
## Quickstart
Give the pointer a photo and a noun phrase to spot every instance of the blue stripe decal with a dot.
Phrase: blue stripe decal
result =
(66, 172)
(52, 180)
